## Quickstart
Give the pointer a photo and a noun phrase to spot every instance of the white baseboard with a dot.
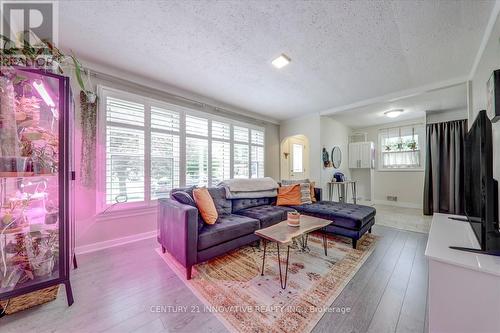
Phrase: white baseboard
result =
(114, 242)
(398, 204)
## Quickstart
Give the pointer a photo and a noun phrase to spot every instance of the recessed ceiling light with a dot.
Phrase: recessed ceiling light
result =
(393, 113)
(281, 61)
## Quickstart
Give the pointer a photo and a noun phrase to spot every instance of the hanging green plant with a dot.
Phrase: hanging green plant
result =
(52, 57)
(88, 122)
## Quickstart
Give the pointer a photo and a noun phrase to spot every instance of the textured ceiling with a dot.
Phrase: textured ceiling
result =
(342, 52)
(447, 99)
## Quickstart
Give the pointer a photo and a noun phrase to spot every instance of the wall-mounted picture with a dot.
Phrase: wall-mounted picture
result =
(326, 159)
(493, 96)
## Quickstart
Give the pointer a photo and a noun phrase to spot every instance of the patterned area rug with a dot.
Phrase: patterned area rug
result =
(233, 289)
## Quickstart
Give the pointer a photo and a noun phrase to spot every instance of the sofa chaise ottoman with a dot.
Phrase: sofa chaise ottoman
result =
(349, 220)
(190, 241)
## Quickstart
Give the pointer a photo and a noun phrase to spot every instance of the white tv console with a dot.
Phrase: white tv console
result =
(464, 287)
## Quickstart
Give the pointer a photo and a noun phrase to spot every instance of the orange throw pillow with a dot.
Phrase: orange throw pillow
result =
(289, 195)
(205, 205)
(313, 197)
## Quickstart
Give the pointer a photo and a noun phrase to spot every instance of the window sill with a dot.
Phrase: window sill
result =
(123, 212)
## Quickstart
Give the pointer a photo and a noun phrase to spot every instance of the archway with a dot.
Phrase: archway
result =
(294, 157)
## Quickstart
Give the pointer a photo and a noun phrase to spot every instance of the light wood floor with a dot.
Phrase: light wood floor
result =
(114, 290)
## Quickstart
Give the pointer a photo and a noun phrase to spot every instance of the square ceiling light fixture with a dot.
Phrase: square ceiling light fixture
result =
(281, 61)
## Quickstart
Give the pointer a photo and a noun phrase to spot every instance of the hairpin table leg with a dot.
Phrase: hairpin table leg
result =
(325, 242)
(283, 283)
(263, 257)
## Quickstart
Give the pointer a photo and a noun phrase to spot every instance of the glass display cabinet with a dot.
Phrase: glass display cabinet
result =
(36, 114)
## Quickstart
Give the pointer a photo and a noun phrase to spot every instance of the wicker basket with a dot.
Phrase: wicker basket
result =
(30, 300)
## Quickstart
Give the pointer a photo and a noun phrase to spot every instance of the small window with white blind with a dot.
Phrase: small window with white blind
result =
(153, 147)
(401, 148)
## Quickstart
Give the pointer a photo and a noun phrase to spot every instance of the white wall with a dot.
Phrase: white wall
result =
(439, 116)
(334, 133)
(489, 61)
(408, 186)
(272, 151)
(321, 132)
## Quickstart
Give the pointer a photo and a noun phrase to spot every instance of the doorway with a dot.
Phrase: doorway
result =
(295, 157)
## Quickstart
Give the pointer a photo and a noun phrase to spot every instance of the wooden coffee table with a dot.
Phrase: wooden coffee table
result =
(283, 234)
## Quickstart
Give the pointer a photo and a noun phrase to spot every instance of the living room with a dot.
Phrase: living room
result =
(264, 166)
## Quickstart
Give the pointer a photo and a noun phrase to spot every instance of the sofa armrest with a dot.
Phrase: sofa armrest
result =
(178, 230)
(318, 192)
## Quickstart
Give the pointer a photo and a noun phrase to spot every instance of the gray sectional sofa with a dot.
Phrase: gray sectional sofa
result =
(184, 235)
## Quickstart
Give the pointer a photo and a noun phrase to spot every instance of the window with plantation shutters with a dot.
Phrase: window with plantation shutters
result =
(124, 151)
(152, 147)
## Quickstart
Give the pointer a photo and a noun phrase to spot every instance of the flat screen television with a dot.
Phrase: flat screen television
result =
(481, 189)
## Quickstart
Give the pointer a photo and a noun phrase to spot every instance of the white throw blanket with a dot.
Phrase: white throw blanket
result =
(250, 188)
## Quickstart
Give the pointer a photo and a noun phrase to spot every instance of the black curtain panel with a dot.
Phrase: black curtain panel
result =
(444, 168)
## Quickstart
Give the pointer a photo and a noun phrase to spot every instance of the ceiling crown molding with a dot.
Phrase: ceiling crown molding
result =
(395, 96)
(486, 37)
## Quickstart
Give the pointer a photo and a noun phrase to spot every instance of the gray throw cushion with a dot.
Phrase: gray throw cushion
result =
(227, 227)
(183, 198)
(223, 205)
(188, 190)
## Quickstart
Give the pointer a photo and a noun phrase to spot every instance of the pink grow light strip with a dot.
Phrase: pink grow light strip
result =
(40, 88)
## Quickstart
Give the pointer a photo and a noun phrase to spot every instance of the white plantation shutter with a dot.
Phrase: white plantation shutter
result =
(240, 134)
(257, 162)
(124, 112)
(165, 151)
(196, 162)
(164, 119)
(145, 157)
(241, 160)
(221, 130)
(124, 151)
(257, 137)
(257, 154)
(196, 126)
(221, 151)
(196, 151)
(241, 166)
(221, 161)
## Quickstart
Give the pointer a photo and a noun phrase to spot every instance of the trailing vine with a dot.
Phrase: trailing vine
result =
(88, 122)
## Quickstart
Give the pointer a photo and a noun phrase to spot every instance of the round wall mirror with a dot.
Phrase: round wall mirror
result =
(336, 157)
